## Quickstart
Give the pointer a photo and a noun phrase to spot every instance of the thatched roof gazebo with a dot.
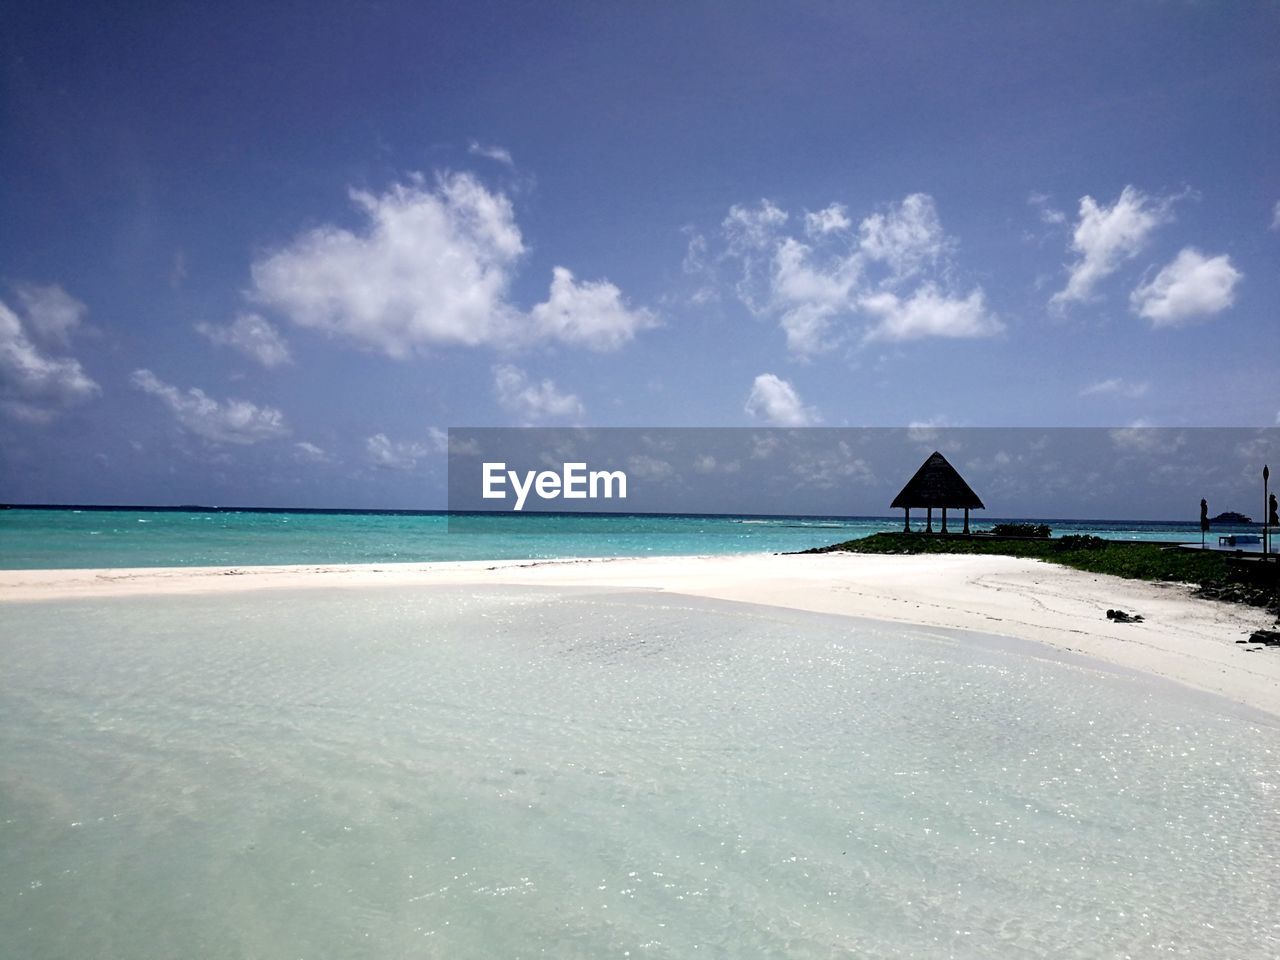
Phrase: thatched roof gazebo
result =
(936, 484)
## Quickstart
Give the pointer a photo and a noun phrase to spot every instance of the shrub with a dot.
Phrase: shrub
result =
(1079, 541)
(1038, 531)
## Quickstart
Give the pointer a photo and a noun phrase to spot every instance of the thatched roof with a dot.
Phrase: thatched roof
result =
(936, 484)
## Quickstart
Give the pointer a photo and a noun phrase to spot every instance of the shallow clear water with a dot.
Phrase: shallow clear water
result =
(134, 538)
(519, 773)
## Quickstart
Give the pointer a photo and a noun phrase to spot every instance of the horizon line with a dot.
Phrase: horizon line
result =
(413, 511)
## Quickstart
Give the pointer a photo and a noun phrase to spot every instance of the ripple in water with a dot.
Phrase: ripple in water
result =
(389, 773)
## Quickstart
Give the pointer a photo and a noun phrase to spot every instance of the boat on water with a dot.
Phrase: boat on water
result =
(1230, 517)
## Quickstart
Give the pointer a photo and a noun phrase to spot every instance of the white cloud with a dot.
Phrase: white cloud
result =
(695, 254)
(1275, 216)
(704, 463)
(776, 402)
(810, 297)
(533, 402)
(439, 439)
(1141, 437)
(590, 314)
(1048, 215)
(432, 267)
(500, 154)
(808, 328)
(832, 219)
(229, 421)
(1117, 387)
(454, 446)
(750, 236)
(253, 336)
(896, 276)
(1190, 286)
(926, 431)
(644, 467)
(753, 228)
(764, 446)
(27, 412)
(697, 264)
(1105, 237)
(35, 385)
(797, 280)
(935, 433)
(389, 455)
(309, 452)
(929, 313)
(52, 313)
(832, 467)
(998, 461)
(907, 237)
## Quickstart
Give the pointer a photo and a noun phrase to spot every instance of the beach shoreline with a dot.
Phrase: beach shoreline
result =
(1184, 639)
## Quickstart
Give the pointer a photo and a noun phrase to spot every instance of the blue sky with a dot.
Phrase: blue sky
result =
(266, 253)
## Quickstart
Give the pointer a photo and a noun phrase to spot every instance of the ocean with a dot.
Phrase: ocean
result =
(86, 537)
(516, 772)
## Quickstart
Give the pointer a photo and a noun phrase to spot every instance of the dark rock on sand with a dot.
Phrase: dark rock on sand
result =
(1119, 616)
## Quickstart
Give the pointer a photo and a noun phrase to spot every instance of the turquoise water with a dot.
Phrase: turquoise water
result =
(457, 774)
(59, 539)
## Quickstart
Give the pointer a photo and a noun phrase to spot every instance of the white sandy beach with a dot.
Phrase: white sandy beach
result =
(1183, 638)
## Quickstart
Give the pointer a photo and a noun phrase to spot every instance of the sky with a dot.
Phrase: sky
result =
(270, 253)
(1054, 473)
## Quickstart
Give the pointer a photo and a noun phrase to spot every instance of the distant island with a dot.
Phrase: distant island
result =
(1231, 516)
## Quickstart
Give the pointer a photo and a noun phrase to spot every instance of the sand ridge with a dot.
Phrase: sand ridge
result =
(1182, 638)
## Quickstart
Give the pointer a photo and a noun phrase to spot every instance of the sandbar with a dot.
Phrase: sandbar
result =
(1185, 639)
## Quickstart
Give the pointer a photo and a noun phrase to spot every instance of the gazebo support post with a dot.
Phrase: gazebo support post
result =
(966, 521)
(928, 527)
(906, 519)
(944, 520)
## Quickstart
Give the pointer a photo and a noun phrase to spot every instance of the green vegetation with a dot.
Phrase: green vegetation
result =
(1040, 531)
(1140, 561)
(1208, 570)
